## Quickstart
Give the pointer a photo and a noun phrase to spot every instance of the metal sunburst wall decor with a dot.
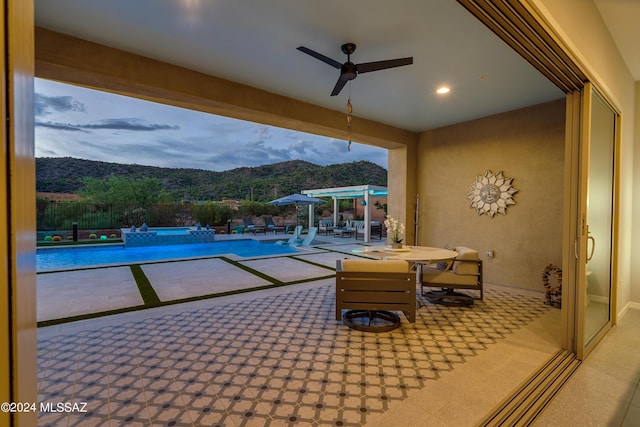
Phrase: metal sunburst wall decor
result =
(491, 193)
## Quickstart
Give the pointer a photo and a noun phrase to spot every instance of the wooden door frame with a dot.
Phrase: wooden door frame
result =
(18, 357)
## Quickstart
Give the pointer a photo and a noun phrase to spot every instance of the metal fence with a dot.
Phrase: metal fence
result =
(53, 216)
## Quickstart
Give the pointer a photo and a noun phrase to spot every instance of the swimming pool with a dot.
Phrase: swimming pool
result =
(85, 256)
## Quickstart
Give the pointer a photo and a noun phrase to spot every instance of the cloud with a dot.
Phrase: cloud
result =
(264, 133)
(252, 153)
(128, 124)
(45, 105)
(281, 147)
(135, 125)
(59, 126)
(81, 124)
(314, 151)
(339, 146)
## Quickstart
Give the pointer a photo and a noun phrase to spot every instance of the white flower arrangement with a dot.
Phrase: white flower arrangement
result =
(395, 230)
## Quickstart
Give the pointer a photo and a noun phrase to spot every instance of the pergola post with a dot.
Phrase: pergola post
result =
(367, 217)
(336, 211)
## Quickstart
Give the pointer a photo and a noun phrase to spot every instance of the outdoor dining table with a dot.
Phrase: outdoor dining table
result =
(408, 253)
(419, 255)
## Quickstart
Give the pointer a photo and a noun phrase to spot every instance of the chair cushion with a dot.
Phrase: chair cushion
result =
(465, 253)
(374, 265)
(434, 276)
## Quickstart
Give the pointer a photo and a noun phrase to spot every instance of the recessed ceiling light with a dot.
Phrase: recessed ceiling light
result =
(442, 90)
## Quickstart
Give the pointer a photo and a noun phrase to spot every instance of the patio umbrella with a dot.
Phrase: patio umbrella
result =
(295, 199)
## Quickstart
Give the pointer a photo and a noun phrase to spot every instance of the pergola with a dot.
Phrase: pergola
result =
(365, 192)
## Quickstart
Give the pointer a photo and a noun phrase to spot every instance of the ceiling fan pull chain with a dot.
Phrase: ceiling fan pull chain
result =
(349, 111)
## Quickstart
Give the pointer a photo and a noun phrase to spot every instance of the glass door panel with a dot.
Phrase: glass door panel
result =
(597, 235)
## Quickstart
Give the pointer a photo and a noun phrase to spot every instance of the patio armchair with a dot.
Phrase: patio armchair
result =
(463, 272)
(375, 230)
(348, 230)
(325, 225)
(373, 288)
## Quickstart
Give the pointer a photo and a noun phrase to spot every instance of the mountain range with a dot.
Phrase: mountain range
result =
(260, 183)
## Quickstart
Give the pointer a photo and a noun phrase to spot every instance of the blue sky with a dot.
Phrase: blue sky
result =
(72, 121)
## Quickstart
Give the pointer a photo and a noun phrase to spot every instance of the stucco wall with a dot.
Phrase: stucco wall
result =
(527, 145)
(402, 186)
(635, 232)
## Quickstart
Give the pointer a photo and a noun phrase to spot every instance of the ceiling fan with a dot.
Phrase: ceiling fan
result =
(349, 70)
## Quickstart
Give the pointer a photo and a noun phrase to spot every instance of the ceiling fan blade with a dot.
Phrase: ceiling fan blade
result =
(339, 84)
(321, 57)
(382, 65)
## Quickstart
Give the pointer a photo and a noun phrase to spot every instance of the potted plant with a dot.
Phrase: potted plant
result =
(395, 232)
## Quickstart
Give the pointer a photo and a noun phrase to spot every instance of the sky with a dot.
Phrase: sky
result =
(71, 121)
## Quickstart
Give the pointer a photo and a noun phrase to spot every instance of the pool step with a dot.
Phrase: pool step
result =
(533, 395)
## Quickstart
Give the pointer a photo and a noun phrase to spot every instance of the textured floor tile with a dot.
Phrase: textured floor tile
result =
(275, 360)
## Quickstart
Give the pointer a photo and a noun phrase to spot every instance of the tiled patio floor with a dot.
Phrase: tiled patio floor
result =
(278, 357)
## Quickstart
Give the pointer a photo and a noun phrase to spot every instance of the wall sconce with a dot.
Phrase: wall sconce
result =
(363, 202)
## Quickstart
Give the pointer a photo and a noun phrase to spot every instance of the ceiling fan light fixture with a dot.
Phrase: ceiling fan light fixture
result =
(349, 70)
(442, 90)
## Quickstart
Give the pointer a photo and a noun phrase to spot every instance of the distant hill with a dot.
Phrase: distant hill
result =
(261, 183)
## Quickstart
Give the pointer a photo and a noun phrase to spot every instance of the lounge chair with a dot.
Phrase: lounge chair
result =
(268, 222)
(292, 240)
(250, 226)
(310, 236)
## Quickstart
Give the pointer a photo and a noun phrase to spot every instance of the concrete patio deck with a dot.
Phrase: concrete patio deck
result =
(104, 289)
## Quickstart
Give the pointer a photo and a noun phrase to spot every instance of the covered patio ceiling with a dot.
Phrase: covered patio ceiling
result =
(250, 47)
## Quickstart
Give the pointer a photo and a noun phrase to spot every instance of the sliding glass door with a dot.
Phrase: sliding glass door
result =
(595, 241)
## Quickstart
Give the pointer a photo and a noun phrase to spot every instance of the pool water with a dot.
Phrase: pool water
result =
(85, 256)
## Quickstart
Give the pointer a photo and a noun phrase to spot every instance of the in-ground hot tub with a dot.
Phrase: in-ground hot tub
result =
(166, 236)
